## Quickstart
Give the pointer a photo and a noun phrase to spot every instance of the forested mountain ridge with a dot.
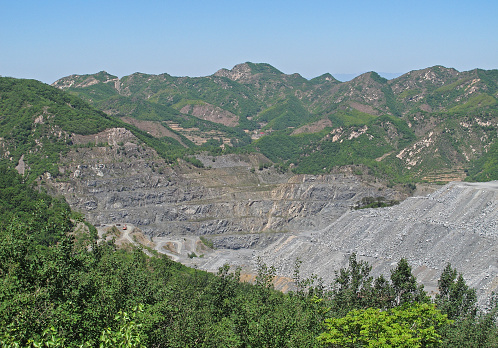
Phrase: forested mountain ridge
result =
(431, 124)
(40, 124)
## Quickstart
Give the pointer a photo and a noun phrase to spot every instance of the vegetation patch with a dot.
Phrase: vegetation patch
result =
(374, 202)
(207, 242)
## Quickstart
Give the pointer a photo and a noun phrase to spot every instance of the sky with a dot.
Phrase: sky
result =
(47, 40)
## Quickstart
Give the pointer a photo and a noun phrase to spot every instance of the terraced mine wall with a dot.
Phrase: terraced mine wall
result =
(125, 182)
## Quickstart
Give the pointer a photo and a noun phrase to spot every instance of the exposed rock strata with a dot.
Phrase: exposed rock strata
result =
(211, 113)
(125, 181)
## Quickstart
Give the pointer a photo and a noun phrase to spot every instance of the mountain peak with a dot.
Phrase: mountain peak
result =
(436, 70)
(369, 76)
(246, 70)
(84, 80)
(324, 78)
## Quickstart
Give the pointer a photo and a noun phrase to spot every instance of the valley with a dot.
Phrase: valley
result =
(280, 217)
(263, 164)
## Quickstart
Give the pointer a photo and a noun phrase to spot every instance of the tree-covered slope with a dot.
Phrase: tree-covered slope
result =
(38, 124)
(486, 167)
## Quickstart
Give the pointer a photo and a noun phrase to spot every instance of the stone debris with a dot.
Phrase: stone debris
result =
(456, 224)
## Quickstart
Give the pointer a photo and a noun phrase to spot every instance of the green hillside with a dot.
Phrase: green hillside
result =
(486, 167)
(426, 125)
(37, 123)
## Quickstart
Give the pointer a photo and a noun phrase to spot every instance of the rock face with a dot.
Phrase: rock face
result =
(211, 113)
(127, 182)
(457, 224)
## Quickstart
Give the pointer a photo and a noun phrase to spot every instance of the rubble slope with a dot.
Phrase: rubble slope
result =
(457, 224)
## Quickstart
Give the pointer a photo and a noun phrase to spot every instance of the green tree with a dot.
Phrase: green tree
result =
(416, 325)
(127, 333)
(383, 293)
(474, 331)
(405, 285)
(455, 298)
(352, 287)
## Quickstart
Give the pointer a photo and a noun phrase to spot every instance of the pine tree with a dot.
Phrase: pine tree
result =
(405, 285)
(455, 298)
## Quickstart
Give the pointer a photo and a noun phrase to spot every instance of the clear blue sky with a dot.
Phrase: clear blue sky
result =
(47, 40)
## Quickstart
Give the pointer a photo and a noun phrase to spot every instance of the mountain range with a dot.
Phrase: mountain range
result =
(436, 124)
